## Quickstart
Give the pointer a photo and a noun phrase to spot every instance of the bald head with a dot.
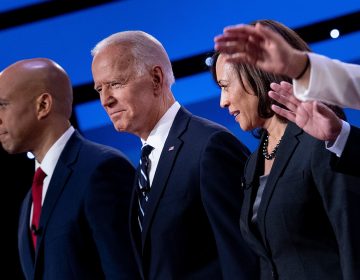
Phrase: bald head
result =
(36, 99)
(32, 77)
(146, 50)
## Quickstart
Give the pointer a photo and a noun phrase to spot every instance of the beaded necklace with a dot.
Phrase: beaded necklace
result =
(265, 151)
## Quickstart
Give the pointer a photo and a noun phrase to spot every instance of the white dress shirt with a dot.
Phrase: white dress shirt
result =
(338, 146)
(331, 81)
(50, 160)
(158, 137)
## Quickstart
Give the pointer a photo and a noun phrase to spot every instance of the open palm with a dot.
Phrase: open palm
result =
(314, 117)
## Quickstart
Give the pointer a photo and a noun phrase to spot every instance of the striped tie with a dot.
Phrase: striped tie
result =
(143, 183)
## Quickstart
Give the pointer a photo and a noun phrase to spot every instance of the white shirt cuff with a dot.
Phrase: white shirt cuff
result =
(338, 146)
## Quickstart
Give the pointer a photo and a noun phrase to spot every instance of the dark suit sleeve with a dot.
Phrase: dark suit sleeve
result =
(346, 163)
(222, 166)
(341, 198)
(107, 207)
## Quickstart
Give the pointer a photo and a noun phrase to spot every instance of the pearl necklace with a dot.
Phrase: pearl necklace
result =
(265, 146)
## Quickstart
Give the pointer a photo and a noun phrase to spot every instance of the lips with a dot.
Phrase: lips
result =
(111, 114)
(2, 135)
(234, 113)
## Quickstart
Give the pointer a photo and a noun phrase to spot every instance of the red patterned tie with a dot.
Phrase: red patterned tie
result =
(36, 191)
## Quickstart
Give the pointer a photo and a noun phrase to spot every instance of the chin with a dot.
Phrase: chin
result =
(10, 150)
(120, 128)
(244, 127)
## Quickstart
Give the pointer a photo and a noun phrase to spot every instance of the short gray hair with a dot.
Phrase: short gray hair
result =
(146, 49)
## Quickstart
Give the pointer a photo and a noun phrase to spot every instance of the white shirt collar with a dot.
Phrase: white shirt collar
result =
(158, 137)
(52, 156)
(161, 130)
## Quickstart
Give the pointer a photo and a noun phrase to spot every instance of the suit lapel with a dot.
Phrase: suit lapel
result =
(254, 164)
(283, 155)
(25, 242)
(59, 178)
(250, 185)
(167, 159)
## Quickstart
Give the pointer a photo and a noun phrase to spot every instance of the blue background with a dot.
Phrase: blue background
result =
(185, 28)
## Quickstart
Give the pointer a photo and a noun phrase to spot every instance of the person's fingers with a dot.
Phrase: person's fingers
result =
(283, 87)
(287, 86)
(256, 41)
(275, 86)
(229, 48)
(236, 26)
(284, 113)
(237, 47)
(267, 33)
(286, 90)
(230, 37)
(241, 28)
(284, 99)
(240, 58)
(249, 30)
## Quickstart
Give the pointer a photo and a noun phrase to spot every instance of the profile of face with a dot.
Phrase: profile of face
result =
(130, 99)
(18, 113)
(239, 100)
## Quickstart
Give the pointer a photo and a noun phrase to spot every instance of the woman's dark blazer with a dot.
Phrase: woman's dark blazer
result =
(308, 220)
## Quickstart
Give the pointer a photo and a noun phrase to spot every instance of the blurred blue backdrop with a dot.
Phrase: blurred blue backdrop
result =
(186, 28)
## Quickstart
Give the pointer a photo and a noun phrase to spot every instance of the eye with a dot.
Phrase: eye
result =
(3, 105)
(223, 87)
(98, 89)
(115, 85)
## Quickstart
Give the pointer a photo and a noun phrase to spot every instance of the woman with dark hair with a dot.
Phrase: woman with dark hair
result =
(299, 216)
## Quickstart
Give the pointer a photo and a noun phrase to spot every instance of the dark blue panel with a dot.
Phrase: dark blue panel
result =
(184, 27)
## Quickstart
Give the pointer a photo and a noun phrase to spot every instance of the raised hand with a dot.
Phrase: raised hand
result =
(313, 117)
(262, 47)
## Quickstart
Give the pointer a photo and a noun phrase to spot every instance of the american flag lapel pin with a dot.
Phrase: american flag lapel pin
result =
(171, 148)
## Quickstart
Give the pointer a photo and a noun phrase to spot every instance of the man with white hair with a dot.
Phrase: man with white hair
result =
(187, 197)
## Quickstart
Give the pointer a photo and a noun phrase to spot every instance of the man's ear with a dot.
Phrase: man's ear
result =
(44, 105)
(157, 78)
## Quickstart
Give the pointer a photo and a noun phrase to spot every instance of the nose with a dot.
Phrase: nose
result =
(224, 101)
(107, 98)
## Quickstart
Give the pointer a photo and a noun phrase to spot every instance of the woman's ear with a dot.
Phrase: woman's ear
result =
(43, 105)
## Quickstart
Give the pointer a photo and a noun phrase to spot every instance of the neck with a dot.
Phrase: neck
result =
(275, 129)
(167, 100)
(47, 138)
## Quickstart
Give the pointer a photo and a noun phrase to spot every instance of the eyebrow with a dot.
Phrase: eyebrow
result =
(221, 81)
(106, 83)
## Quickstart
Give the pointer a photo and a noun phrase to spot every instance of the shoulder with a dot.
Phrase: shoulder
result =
(194, 122)
(207, 125)
(93, 151)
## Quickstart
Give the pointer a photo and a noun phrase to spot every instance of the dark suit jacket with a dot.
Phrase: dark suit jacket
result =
(84, 218)
(308, 218)
(13, 192)
(190, 228)
(347, 162)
